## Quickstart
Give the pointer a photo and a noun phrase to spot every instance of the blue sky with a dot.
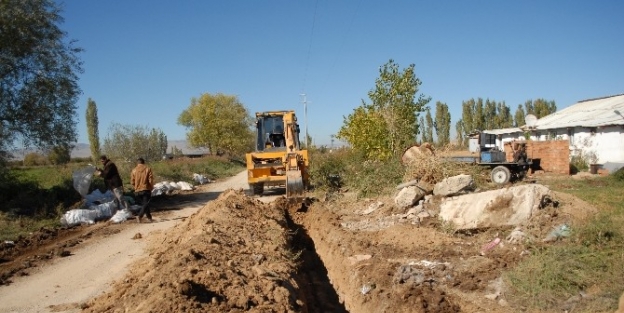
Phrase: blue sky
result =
(145, 59)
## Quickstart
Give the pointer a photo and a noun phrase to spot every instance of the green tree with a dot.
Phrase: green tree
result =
(59, 155)
(218, 122)
(442, 124)
(428, 134)
(504, 118)
(490, 116)
(365, 131)
(92, 129)
(129, 142)
(540, 107)
(38, 75)
(519, 116)
(461, 134)
(478, 115)
(34, 159)
(423, 130)
(392, 115)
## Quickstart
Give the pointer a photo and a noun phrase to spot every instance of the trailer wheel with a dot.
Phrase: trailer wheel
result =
(501, 175)
(257, 188)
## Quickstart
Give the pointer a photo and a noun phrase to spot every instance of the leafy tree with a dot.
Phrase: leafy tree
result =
(218, 122)
(365, 131)
(429, 123)
(442, 123)
(34, 159)
(504, 118)
(175, 152)
(468, 116)
(391, 117)
(461, 138)
(128, 142)
(92, 129)
(540, 107)
(490, 116)
(519, 116)
(38, 75)
(59, 155)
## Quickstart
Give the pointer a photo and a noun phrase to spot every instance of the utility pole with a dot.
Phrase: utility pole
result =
(305, 118)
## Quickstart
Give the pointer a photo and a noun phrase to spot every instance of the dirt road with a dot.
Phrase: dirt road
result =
(65, 283)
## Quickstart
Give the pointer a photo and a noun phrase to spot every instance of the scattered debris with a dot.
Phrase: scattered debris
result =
(559, 232)
(490, 245)
(201, 179)
(516, 236)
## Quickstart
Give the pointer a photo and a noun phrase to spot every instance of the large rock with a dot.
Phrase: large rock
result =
(409, 196)
(502, 207)
(453, 185)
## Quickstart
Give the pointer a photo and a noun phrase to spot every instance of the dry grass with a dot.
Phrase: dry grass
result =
(434, 167)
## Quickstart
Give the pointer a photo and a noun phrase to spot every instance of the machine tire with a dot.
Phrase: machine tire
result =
(500, 175)
(257, 188)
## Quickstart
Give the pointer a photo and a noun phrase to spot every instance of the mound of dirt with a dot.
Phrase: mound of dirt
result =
(233, 255)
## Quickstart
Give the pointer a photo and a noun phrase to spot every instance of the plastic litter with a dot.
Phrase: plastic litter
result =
(201, 179)
(82, 179)
(516, 236)
(366, 288)
(559, 232)
(490, 245)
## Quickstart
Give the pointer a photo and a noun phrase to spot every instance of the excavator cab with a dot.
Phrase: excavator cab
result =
(270, 133)
(278, 159)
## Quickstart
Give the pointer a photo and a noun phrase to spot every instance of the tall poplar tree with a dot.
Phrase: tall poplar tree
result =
(92, 129)
(442, 123)
(540, 107)
(519, 116)
(429, 123)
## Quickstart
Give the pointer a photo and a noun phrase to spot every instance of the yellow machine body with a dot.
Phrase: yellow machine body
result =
(278, 159)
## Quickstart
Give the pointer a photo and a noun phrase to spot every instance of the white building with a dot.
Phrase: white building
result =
(594, 128)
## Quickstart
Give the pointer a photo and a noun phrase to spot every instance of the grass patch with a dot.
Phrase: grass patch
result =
(591, 258)
(347, 169)
(12, 227)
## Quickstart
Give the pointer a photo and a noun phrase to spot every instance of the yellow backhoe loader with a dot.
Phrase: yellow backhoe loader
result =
(278, 159)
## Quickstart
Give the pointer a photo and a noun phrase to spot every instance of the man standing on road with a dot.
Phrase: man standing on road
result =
(142, 179)
(112, 180)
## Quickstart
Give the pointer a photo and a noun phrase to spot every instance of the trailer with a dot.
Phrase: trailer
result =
(489, 155)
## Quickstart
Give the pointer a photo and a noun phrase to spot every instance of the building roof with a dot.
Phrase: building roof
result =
(503, 131)
(598, 112)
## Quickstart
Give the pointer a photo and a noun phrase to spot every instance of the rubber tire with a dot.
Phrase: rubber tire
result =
(500, 175)
(257, 188)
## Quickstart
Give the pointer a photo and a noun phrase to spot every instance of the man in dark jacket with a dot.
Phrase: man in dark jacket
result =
(142, 179)
(112, 180)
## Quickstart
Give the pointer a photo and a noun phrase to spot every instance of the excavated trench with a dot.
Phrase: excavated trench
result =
(312, 277)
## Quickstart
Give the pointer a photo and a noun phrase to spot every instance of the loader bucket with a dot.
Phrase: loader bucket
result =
(294, 184)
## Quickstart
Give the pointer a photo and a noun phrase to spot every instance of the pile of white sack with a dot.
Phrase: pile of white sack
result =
(167, 187)
(101, 206)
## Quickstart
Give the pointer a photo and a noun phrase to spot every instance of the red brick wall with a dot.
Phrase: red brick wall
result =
(553, 155)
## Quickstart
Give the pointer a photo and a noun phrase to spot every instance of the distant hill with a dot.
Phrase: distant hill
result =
(81, 150)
